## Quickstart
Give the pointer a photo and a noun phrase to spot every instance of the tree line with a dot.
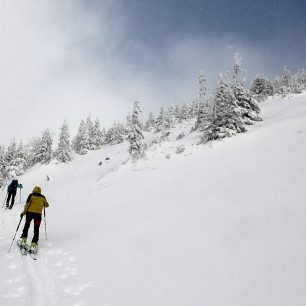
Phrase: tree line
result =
(227, 111)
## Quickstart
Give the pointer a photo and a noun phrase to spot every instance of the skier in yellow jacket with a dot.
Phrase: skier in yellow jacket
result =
(32, 210)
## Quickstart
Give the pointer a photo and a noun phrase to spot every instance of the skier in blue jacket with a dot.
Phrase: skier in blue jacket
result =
(11, 193)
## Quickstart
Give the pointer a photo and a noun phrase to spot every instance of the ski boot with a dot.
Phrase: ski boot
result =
(22, 242)
(33, 248)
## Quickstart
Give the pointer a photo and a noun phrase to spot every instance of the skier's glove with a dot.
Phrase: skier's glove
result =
(22, 214)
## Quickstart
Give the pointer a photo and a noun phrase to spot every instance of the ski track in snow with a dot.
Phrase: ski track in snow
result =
(49, 281)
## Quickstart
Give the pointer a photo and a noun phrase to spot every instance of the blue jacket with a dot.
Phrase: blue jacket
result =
(13, 186)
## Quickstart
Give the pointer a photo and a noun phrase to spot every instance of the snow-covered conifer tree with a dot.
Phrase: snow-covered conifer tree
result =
(163, 124)
(116, 134)
(80, 140)
(296, 87)
(21, 159)
(89, 131)
(63, 151)
(98, 135)
(185, 114)
(9, 160)
(261, 88)
(248, 106)
(204, 111)
(301, 76)
(159, 124)
(277, 84)
(10, 152)
(44, 150)
(205, 114)
(2, 166)
(177, 113)
(150, 124)
(194, 108)
(33, 146)
(202, 85)
(227, 120)
(128, 122)
(285, 85)
(135, 137)
(18, 162)
(171, 116)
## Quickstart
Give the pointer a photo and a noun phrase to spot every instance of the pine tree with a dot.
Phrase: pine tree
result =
(177, 113)
(89, 131)
(135, 137)
(296, 87)
(63, 152)
(194, 108)
(248, 106)
(80, 140)
(43, 152)
(285, 82)
(21, 159)
(202, 85)
(205, 114)
(227, 120)
(204, 111)
(98, 135)
(301, 77)
(10, 152)
(159, 124)
(33, 145)
(277, 84)
(171, 116)
(116, 134)
(17, 162)
(261, 88)
(129, 122)
(169, 119)
(2, 166)
(163, 124)
(150, 124)
(9, 160)
(184, 115)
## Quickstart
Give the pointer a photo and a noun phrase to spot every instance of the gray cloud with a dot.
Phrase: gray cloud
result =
(62, 60)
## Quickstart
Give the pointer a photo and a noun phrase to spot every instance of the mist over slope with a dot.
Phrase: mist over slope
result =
(218, 224)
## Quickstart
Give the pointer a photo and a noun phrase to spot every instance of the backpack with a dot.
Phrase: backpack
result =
(13, 185)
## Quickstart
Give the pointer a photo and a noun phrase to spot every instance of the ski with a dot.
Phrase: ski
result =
(23, 251)
(33, 255)
(23, 248)
(33, 252)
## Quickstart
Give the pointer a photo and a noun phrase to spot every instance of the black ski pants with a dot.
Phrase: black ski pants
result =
(37, 220)
(10, 195)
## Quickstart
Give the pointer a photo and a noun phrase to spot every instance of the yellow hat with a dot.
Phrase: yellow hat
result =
(37, 189)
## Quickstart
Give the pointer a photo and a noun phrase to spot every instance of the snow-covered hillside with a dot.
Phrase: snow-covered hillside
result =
(221, 224)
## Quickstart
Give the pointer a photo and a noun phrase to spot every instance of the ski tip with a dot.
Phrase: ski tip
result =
(33, 256)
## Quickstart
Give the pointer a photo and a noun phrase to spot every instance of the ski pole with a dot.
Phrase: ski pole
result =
(20, 187)
(5, 199)
(15, 234)
(45, 223)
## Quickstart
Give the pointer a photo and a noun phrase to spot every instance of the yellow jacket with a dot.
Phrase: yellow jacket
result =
(35, 202)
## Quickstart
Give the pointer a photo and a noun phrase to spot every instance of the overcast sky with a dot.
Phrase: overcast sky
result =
(65, 59)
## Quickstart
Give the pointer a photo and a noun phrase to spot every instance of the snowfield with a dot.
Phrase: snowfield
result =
(220, 224)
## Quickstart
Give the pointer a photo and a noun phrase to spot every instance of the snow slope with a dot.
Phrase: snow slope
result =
(221, 224)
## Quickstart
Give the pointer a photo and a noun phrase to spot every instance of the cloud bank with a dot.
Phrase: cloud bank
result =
(64, 60)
